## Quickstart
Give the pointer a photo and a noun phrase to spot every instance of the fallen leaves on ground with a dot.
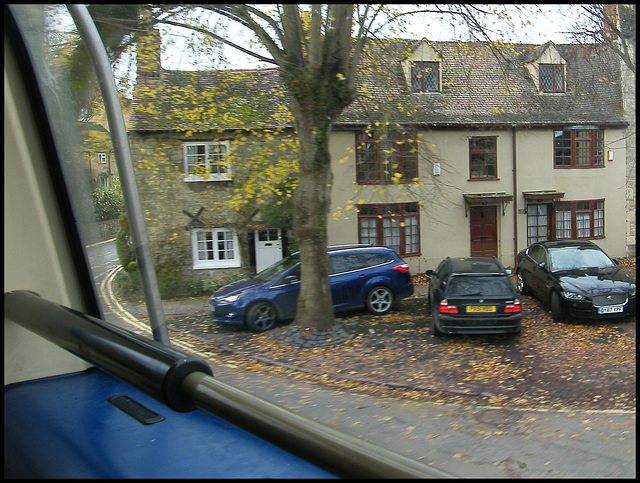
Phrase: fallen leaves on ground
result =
(549, 365)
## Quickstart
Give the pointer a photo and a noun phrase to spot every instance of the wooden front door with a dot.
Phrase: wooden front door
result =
(484, 231)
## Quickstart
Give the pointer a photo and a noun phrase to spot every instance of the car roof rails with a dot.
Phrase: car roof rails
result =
(345, 247)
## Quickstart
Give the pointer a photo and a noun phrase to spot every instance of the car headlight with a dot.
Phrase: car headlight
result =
(632, 290)
(573, 296)
(230, 299)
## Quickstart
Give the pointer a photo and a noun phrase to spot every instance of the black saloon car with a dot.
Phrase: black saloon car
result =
(473, 296)
(576, 279)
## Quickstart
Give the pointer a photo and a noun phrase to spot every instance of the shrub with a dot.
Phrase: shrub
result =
(124, 246)
(168, 275)
(107, 202)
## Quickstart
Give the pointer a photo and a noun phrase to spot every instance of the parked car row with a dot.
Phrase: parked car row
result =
(472, 295)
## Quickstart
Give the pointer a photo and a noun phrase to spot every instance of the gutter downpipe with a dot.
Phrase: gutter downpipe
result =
(515, 197)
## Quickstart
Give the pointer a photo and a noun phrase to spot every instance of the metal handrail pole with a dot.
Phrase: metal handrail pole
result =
(117, 129)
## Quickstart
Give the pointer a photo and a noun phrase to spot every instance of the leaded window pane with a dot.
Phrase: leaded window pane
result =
(425, 76)
(551, 77)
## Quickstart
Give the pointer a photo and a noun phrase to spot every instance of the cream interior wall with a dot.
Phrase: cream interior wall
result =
(36, 254)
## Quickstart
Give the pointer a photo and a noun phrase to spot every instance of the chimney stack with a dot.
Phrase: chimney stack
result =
(148, 56)
(611, 21)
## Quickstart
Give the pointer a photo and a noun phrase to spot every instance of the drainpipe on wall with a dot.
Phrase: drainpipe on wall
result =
(515, 198)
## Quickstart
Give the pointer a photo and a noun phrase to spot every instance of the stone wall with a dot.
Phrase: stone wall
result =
(629, 99)
(170, 203)
(100, 231)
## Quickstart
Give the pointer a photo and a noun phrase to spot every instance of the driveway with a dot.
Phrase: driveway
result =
(586, 365)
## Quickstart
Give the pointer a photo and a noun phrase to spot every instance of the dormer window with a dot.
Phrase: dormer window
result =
(551, 78)
(425, 76)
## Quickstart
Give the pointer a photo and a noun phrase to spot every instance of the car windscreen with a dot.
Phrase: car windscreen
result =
(578, 258)
(277, 269)
(487, 286)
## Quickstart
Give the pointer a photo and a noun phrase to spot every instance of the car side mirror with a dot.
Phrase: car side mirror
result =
(429, 272)
(291, 278)
(543, 266)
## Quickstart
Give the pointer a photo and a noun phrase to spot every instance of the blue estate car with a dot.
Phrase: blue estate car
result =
(368, 276)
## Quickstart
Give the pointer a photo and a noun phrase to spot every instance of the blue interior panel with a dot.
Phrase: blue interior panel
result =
(66, 427)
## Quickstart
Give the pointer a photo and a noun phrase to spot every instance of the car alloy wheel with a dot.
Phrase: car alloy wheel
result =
(261, 317)
(380, 300)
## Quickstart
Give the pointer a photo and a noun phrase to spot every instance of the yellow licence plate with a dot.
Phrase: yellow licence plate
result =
(481, 308)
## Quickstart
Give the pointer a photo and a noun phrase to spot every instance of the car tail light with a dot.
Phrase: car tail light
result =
(513, 308)
(445, 308)
(404, 268)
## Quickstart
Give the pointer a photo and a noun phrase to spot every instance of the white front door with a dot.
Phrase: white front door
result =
(268, 247)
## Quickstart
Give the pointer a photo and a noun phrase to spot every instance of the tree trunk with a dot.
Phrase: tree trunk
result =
(313, 197)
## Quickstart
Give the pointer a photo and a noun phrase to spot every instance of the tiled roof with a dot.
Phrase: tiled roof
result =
(203, 100)
(478, 89)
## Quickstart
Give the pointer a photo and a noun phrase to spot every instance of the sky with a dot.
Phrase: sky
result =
(545, 26)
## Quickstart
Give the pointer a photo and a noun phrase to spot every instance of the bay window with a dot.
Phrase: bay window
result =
(580, 219)
(396, 226)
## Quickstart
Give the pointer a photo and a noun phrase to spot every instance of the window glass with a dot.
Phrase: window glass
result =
(562, 148)
(206, 161)
(570, 259)
(551, 77)
(215, 248)
(598, 219)
(411, 234)
(563, 222)
(580, 219)
(387, 157)
(537, 223)
(396, 226)
(274, 271)
(581, 148)
(425, 76)
(537, 254)
(478, 285)
(345, 263)
(483, 157)
(391, 233)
